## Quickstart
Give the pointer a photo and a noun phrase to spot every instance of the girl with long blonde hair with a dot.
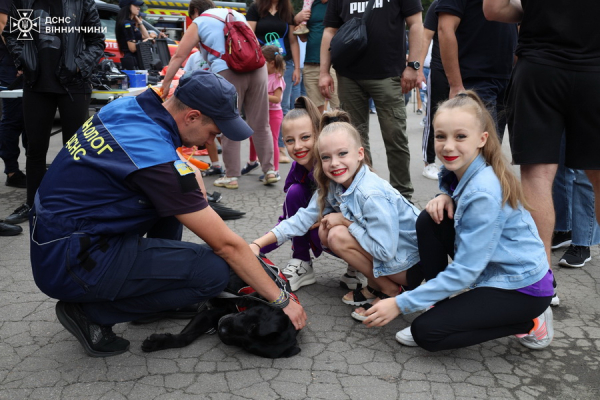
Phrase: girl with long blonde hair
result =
(479, 221)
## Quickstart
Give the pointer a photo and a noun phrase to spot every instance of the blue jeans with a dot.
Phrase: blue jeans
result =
(290, 94)
(11, 125)
(573, 197)
(301, 84)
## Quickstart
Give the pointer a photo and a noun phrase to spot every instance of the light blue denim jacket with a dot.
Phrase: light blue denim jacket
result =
(495, 246)
(383, 221)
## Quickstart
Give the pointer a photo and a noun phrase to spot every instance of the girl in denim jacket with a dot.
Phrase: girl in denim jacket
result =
(480, 222)
(300, 128)
(360, 217)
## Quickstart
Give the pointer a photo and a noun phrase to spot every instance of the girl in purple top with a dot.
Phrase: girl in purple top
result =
(300, 129)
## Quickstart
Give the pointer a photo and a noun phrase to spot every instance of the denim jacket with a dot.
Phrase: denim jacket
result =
(495, 246)
(383, 221)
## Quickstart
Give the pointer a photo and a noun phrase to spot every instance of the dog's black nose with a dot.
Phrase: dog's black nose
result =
(223, 328)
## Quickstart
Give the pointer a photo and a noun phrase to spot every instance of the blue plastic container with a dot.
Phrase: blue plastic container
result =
(137, 78)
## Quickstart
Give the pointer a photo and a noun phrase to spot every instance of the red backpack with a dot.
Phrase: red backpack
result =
(242, 50)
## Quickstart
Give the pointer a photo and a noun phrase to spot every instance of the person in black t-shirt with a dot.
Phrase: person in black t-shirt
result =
(553, 92)
(57, 65)
(380, 74)
(130, 30)
(476, 54)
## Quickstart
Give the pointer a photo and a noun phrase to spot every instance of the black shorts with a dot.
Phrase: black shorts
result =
(545, 101)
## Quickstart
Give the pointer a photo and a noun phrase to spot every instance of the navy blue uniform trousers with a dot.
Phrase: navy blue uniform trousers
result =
(166, 274)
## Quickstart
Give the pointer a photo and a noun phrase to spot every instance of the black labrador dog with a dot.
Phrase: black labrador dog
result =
(240, 319)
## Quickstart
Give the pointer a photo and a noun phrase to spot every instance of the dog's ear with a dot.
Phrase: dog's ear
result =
(275, 321)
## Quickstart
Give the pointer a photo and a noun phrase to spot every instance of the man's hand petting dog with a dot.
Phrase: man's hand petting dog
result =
(296, 314)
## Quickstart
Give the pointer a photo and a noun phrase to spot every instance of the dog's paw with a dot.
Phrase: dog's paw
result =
(157, 341)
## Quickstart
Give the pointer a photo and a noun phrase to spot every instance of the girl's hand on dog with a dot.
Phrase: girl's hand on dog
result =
(435, 208)
(382, 313)
(296, 314)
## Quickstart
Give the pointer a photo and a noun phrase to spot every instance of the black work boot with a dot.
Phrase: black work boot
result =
(97, 340)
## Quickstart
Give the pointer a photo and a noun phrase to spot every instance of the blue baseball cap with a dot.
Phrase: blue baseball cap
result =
(125, 3)
(215, 97)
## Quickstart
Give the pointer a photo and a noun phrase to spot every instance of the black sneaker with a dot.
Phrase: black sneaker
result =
(213, 171)
(20, 215)
(575, 257)
(215, 197)
(250, 167)
(9, 230)
(18, 180)
(560, 239)
(97, 341)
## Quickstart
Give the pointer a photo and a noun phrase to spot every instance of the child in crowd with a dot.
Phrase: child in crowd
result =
(275, 88)
(480, 221)
(302, 29)
(361, 218)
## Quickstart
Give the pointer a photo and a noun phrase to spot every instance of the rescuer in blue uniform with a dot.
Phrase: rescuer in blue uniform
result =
(118, 178)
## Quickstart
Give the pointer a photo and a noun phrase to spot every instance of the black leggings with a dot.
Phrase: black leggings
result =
(39, 109)
(472, 317)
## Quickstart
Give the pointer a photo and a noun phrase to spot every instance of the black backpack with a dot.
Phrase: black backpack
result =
(350, 41)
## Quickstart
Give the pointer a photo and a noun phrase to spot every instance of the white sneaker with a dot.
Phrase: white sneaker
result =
(405, 337)
(431, 171)
(555, 302)
(353, 279)
(299, 273)
(542, 333)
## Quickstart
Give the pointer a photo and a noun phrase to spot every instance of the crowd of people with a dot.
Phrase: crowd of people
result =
(494, 63)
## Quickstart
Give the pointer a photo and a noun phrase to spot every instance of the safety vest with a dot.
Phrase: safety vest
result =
(86, 217)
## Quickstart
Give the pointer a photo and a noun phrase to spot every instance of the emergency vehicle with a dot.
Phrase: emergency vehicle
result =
(172, 16)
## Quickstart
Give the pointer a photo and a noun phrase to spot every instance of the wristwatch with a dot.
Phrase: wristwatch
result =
(414, 65)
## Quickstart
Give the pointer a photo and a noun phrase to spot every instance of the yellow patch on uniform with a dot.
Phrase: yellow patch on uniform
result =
(127, 25)
(182, 168)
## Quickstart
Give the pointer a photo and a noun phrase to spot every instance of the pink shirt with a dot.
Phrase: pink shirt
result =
(275, 82)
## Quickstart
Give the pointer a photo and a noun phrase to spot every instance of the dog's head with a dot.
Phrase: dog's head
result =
(261, 330)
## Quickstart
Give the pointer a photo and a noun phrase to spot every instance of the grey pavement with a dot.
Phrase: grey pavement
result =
(340, 358)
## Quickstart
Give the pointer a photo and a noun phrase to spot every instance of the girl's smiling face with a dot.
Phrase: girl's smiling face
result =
(458, 139)
(340, 156)
(299, 140)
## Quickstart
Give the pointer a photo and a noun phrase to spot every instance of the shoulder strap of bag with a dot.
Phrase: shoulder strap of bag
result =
(212, 16)
(205, 47)
(368, 10)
